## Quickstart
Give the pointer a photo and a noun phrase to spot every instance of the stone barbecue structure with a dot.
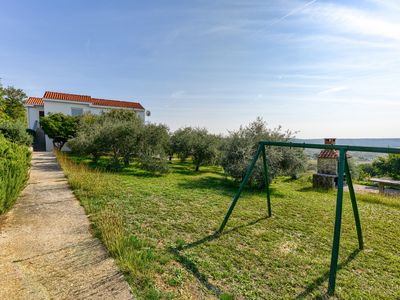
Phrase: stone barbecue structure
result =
(327, 167)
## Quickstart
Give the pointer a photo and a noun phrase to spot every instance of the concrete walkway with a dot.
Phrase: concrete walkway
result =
(374, 190)
(46, 248)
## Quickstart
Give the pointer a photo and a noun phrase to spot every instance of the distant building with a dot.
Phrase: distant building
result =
(69, 104)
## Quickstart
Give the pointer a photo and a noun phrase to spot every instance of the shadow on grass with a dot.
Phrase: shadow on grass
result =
(312, 189)
(189, 265)
(324, 277)
(226, 186)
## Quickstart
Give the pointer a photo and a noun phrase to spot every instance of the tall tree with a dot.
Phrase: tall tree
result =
(203, 147)
(12, 103)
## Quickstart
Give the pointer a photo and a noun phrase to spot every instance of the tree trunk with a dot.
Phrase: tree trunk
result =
(126, 160)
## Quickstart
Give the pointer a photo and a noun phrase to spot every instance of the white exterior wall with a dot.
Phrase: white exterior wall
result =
(33, 115)
(140, 114)
(65, 107)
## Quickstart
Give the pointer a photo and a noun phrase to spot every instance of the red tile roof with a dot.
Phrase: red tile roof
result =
(68, 97)
(83, 98)
(116, 103)
(34, 101)
(329, 154)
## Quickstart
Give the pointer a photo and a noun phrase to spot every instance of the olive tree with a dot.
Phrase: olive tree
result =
(203, 147)
(154, 146)
(181, 143)
(241, 145)
(116, 132)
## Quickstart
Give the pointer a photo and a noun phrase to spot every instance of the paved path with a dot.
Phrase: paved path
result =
(46, 248)
(374, 190)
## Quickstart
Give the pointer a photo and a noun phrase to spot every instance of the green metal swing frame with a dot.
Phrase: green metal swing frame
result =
(342, 169)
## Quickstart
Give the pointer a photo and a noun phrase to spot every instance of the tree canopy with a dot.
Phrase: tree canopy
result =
(13, 116)
(59, 127)
(241, 145)
(12, 104)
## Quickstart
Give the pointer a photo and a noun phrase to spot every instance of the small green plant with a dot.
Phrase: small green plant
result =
(177, 278)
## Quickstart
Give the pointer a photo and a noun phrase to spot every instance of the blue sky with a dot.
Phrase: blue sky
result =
(323, 68)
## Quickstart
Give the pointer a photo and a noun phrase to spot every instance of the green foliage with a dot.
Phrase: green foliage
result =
(180, 143)
(153, 164)
(12, 104)
(154, 142)
(15, 131)
(14, 165)
(240, 147)
(382, 167)
(203, 147)
(59, 127)
(394, 166)
(14, 139)
(88, 138)
(115, 132)
(195, 142)
(122, 135)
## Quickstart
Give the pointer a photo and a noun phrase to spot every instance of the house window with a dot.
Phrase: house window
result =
(41, 113)
(76, 112)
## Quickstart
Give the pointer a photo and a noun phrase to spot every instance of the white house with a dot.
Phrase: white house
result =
(69, 104)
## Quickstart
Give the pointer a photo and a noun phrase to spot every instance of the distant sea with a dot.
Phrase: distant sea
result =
(359, 157)
(372, 142)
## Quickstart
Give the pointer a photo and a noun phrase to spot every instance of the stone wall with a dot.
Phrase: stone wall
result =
(324, 181)
(327, 166)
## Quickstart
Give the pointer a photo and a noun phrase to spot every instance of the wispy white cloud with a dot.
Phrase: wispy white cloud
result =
(293, 12)
(354, 21)
(390, 4)
(333, 90)
(178, 94)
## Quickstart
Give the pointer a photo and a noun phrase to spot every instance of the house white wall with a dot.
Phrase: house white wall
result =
(33, 115)
(65, 107)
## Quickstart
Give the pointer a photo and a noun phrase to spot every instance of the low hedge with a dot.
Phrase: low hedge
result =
(14, 166)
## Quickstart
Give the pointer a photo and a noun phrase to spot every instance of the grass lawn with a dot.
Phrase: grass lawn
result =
(160, 230)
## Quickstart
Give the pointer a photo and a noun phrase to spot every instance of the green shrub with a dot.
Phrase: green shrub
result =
(153, 164)
(59, 127)
(384, 166)
(14, 165)
(16, 132)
